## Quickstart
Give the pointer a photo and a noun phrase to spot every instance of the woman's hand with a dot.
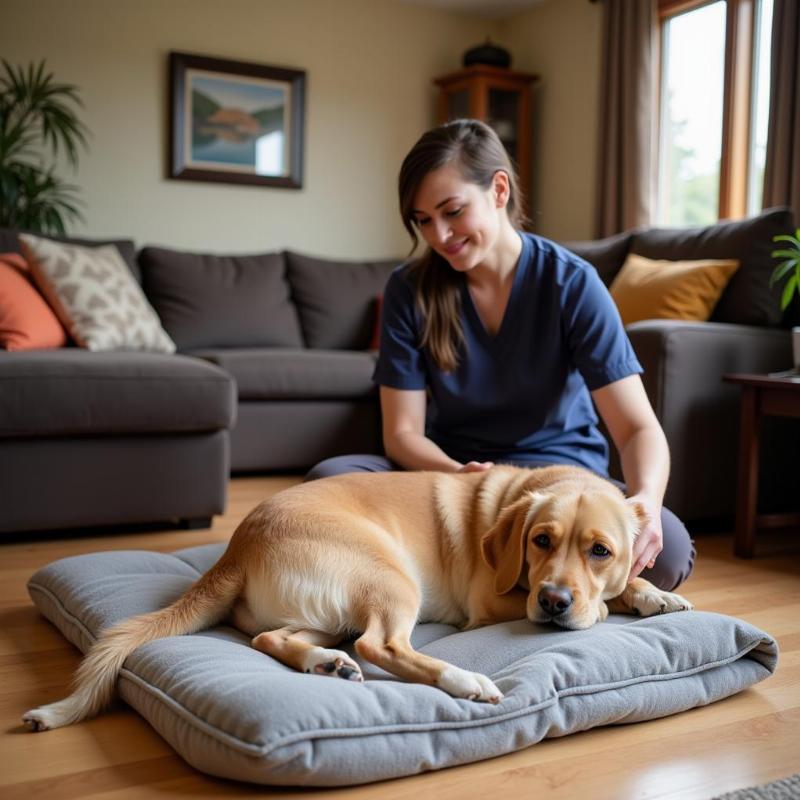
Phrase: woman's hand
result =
(476, 466)
(650, 542)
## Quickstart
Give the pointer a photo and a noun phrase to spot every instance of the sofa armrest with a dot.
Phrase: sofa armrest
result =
(684, 363)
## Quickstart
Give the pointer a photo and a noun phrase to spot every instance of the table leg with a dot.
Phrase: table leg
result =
(747, 497)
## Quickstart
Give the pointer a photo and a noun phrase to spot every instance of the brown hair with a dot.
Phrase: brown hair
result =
(479, 154)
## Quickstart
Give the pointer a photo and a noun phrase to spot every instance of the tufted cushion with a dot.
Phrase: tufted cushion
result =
(70, 392)
(207, 300)
(336, 299)
(232, 711)
(295, 373)
(606, 255)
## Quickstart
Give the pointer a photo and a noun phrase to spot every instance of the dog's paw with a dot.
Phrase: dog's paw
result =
(656, 601)
(38, 719)
(469, 685)
(335, 663)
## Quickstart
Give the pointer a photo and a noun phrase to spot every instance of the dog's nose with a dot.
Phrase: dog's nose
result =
(555, 600)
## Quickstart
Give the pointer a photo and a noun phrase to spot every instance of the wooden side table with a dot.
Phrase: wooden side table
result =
(762, 395)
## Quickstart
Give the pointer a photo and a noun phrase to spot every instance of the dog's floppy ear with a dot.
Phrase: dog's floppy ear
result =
(640, 518)
(503, 547)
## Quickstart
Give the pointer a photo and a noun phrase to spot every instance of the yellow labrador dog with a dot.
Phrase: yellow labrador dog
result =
(373, 554)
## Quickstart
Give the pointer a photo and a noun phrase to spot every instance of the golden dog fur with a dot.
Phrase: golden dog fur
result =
(373, 554)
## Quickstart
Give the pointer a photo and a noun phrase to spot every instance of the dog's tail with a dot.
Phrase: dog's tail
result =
(204, 604)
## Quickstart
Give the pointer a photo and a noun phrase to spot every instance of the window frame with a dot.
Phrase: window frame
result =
(740, 31)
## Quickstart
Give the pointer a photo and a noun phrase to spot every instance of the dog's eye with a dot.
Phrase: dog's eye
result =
(600, 551)
(542, 540)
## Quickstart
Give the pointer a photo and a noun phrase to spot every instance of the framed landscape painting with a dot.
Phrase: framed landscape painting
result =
(235, 122)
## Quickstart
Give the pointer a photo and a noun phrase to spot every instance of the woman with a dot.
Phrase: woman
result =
(495, 343)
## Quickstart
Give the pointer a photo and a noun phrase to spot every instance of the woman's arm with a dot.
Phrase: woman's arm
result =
(644, 456)
(404, 437)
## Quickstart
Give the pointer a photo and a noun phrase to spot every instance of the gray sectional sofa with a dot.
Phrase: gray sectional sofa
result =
(274, 373)
(684, 361)
(294, 332)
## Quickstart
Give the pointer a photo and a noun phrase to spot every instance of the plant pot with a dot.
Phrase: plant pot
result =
(796, 348)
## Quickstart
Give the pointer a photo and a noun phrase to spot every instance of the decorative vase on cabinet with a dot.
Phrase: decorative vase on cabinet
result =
(501, 98)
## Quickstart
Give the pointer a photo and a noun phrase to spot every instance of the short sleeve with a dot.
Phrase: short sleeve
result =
(596, 337)
(400, 361)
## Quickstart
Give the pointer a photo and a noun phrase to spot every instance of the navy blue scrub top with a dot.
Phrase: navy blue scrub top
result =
(521, 396)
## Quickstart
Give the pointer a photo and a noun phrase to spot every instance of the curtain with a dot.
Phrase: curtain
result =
(782, 169)
(628, 116)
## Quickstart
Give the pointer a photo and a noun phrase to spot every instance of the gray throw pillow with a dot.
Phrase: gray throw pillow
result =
(336, 300)
(207, 300)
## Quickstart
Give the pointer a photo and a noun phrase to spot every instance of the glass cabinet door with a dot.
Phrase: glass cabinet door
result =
(458, 104)
(503, 117)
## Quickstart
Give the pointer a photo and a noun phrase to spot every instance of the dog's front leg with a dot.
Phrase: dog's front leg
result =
(642, 598)
(486, 607)
(386, 643)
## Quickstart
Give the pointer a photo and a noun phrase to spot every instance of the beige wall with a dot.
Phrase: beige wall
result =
(560, 41)
(369, 66)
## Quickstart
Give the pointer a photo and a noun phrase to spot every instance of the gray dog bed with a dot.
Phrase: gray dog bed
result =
(232, 711)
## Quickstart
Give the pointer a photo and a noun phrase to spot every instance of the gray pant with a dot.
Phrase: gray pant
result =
(673, 565)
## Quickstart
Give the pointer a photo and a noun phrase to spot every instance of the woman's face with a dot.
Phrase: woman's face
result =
(459, 220)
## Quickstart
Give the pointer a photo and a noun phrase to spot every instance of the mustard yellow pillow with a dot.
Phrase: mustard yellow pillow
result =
(648, 289)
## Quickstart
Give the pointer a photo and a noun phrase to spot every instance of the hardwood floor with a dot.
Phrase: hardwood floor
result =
(751, 738)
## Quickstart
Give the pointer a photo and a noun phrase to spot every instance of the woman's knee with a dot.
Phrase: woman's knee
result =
(675, 562)
(341, 465)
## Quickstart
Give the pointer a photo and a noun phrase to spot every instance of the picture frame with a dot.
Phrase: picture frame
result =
(235, 122)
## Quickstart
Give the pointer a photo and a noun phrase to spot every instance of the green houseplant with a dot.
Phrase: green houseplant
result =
(790, 265)
(38, 120)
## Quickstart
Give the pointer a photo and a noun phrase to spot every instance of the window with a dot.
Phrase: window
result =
(714, 100)
(690, 139)
(760, 107)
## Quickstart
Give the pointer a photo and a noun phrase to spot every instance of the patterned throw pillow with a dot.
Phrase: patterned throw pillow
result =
(95, 296)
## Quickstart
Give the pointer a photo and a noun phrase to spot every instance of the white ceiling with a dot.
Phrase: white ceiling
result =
(490, 9)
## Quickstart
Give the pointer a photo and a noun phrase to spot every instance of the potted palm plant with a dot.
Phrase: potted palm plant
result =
(789, 268)
(38, 121)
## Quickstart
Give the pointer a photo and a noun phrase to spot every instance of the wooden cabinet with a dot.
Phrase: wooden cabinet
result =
(499, 97)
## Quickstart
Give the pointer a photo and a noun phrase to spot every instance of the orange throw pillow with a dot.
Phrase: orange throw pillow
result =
(26, 321)
(648, 289)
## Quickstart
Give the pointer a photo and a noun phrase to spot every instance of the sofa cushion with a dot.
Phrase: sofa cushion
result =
(296, 374)
(233, 711)
(606, 255)
(73, 392)
(94, 295)
(336, 299)
(26, 321)
(748, 298)
(649, 289)
(209, 300)
(9, 242)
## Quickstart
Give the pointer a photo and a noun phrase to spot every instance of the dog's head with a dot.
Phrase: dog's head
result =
(572, 550)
